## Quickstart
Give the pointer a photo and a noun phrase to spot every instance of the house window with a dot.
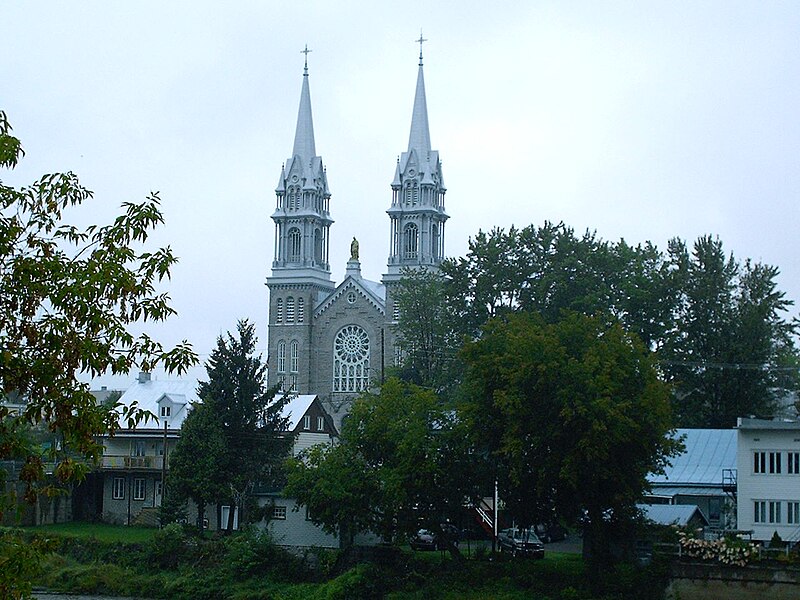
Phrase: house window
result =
(410, 241)
(774, 512)
(138, 489)
(138, 449)
(165, 411)
(290, 309)
(774, 462)
(793, 513)
(159, 489)
(294, 245)
(307, 423)
(759, 462)
(118, 488)
(294, 354)
(279, 310)
(279, 512)
(350, 359)
(759, 511)
(320, 423)
(793, 463)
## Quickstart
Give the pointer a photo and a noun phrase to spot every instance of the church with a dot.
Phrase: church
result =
(330, 340)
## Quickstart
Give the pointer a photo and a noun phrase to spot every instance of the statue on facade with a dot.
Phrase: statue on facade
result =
(354, 249)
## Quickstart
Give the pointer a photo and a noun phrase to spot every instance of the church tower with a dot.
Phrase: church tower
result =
(301, 271)
(417, 215)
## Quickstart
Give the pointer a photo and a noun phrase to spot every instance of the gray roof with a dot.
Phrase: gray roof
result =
(756, 424)
(708, 453)
(180, 393)
(296, 408)
(671, 514)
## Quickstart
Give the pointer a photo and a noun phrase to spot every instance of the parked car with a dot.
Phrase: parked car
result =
(423, 540)
(550, 532)
(520, 542)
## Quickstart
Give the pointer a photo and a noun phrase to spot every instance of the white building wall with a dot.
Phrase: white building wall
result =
(776, 490)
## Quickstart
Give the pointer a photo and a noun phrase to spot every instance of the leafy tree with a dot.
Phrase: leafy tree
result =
(67, 298)
(424, 332)
(197, 466)
(401, 463)
(573, 415)
(256, 439)
(733, 352)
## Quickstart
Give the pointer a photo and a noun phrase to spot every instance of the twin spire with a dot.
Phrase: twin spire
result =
(419, 138)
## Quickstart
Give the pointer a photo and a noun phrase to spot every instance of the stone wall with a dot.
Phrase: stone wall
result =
(718, 582)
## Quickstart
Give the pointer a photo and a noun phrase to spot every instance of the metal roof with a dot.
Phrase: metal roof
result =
(671, 514)
(708, 452)
(181, 393)
(296, 408)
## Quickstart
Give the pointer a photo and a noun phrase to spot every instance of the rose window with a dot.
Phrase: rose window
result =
(351, 359)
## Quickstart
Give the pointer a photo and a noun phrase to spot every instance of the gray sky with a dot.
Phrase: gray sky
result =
(644, 120)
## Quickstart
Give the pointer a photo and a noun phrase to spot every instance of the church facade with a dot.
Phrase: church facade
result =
(332, 340)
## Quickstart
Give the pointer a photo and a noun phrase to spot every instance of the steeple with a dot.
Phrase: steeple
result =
(420, 138)
(302, 214)
(417, 215)
(304, 134)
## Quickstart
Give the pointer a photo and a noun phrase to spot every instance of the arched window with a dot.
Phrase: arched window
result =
(294, 355)
(301, 309)
(351, 359)
(294, 244)
(290, 309)
(410, 241)
(279, 310)
(318, 246)
(281, 357)
(412, 192)
(435, 241)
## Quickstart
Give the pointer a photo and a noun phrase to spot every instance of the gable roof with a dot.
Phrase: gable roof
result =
(672, 514)
(147, 394)
(372, 291)
(708, 452)
(297, 406)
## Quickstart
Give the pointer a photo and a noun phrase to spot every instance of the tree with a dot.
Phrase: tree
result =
(67, 298)
(423, 331)
(733, 353)
(197, 465)
(400, 464)
(256, 436)
(574, 417)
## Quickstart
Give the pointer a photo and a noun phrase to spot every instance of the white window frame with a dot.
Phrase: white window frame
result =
(320, 423)
(139, 489)
(294, 356)
(306, 422)
(281, 356)
(793, 463)
(118, 488)
(279, 310)
(759, 511)
(793, 513)
(295, 244)
(166, 410)
(774, 511)
(759, 462)
(279, 513)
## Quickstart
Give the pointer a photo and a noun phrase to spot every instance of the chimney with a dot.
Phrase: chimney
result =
(144, 377)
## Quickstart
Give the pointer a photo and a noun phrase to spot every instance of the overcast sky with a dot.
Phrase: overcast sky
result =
(640, 120)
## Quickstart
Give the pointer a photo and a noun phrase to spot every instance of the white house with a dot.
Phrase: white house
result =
(768, 463)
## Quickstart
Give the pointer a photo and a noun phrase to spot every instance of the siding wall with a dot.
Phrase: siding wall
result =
(769, 487)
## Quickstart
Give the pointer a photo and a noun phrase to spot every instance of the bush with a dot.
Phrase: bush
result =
(363, 582)
(254, 554)
(167, 548)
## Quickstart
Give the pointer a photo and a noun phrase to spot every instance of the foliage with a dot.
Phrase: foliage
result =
(423, 331)
(720, 327)
(236, 437)
(574, 417)
(733, 354)
(401, 463)
(20, 562)
(68, 297)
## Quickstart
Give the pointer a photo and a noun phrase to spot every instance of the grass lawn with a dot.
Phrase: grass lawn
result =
(99, 531)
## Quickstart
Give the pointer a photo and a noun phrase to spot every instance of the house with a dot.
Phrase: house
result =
(704, 475)
(290, 524)
(133, 468)
(768, 463)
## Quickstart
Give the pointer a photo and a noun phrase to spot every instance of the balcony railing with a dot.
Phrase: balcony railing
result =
(133, 462)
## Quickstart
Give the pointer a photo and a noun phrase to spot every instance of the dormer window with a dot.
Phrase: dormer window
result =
(166, 410)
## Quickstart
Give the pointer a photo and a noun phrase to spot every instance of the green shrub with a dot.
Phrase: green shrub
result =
(167, 548)
(363, 582)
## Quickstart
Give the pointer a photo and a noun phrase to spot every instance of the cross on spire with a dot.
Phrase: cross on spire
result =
(306, 51)
(420, 41)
